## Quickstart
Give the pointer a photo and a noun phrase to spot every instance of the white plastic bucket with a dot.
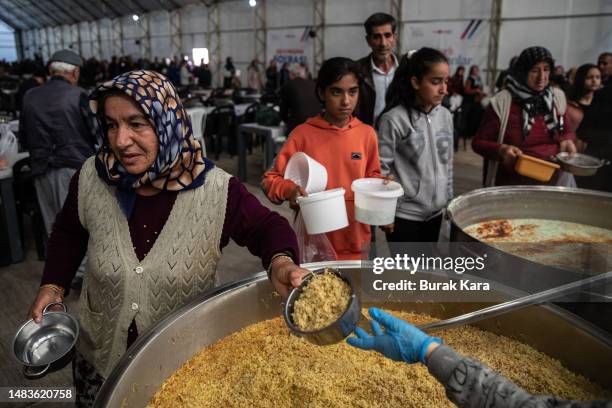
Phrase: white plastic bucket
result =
(375, 202)
(306, 172)
(324, 211)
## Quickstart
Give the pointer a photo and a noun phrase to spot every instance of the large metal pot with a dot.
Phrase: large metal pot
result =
(164, 348)
(581, 206)
(545, 202)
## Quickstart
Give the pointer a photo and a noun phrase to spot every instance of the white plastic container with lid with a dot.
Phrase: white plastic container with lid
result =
(306, 172)
(324, 211)
(375, 202)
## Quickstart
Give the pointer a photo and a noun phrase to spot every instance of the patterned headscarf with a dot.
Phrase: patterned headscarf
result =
(533, 103)
(180, 164)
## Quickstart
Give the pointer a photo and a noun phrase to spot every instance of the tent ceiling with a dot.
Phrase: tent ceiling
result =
(28, 14)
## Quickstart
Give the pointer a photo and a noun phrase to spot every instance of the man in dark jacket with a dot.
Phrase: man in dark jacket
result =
(56, 131)
(604, 62)
(298, 98)
(379, 67)
(204, 75)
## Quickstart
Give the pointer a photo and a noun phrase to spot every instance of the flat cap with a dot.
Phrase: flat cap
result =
(67, 56)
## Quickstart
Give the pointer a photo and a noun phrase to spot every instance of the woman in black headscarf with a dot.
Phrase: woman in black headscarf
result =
(528, 116)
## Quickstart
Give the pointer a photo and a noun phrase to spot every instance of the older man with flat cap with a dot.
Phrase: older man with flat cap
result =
(56, 130)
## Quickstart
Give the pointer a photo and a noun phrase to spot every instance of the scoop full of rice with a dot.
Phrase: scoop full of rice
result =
(322, 301)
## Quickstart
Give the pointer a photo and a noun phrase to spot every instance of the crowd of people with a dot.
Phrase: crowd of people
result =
(181, 72)
(124, 182)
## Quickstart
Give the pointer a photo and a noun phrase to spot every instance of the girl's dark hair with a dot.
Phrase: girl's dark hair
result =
(419, 64)
(578, 90)
(333, 70)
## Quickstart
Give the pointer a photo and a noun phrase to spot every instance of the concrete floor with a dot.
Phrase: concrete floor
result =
(21, 281)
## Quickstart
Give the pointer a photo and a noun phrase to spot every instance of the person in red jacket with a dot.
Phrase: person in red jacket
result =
(529, 116)
(339, 141)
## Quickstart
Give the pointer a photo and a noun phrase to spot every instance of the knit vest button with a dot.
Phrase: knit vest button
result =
(134, 306)
(139, 269)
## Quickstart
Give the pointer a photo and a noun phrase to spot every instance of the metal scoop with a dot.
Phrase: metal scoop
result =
(338, 330)
(512, 305)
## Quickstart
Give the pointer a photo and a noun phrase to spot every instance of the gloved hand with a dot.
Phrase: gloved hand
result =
(400, 340)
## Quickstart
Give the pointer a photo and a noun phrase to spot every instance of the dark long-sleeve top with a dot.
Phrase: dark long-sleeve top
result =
(55, 126)
(538, 143)
(596, 130)
(247, 222)
(298, 102)
(471, 384)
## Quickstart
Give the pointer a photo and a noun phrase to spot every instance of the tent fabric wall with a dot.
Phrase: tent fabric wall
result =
(575, 31)
(8, 50)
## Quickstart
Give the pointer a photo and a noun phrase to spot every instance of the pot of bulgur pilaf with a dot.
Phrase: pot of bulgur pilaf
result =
(230, 347)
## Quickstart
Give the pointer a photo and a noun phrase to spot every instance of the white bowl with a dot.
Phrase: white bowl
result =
(375, 202)
(324, 211)
(306, 172)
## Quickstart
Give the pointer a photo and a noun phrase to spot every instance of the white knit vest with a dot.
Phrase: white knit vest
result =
(117, 288)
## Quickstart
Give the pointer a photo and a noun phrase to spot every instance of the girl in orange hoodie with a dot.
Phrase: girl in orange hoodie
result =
(339, 141)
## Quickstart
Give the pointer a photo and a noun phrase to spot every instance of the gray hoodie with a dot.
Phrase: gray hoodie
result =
(418, 151)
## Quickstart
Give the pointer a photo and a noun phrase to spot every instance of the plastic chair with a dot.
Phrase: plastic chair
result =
(198, 124)
(249, 116)
(27, 204)
(221, 123)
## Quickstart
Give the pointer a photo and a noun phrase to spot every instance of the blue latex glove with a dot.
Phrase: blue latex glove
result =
(400, 340)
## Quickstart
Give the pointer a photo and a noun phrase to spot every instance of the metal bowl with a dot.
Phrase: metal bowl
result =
(338, 330)
(580, 164)
(38, 345)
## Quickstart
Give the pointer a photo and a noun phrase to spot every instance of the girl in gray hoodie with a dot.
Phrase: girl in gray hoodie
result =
(415, 136)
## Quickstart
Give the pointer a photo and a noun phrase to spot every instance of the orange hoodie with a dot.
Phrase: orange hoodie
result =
(348, 153)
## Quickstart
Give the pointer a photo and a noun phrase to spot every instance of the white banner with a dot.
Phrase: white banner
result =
(290, 45)
(463, 42)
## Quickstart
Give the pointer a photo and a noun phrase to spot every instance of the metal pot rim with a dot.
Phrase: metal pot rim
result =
(457, 202)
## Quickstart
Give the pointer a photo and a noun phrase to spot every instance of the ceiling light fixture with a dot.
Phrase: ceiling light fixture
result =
(252, 3)
(135, 17)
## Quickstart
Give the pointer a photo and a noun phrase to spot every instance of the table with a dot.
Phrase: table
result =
(204, 93)
(9, 209)
(272, 135)
(241, 108)
(251, 97)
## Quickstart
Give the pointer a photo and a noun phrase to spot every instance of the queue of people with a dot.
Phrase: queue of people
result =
(134, 207)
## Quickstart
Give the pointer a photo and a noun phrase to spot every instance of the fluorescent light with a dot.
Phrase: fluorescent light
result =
(252, 3)
(135, 17)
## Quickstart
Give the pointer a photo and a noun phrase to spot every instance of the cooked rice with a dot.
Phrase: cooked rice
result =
(322, 302)
(263, 365)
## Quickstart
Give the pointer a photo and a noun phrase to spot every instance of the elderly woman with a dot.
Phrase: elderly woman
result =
(152, 215)
(528, 116)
